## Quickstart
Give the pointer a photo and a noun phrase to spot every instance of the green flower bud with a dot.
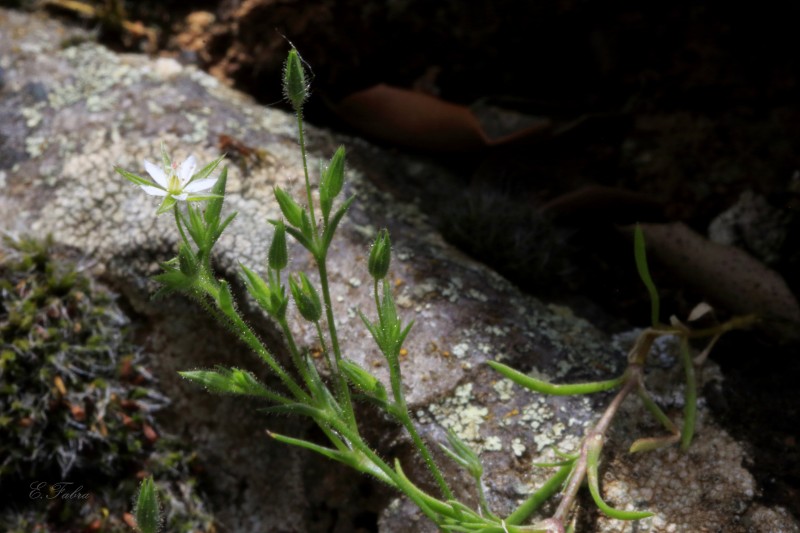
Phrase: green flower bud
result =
(290, 209)
(187, 261)
(295, 87)
(278, 253)
(380, 256)
(362, 379)
(306, 298)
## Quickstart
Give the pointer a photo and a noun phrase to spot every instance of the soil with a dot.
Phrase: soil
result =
(688, 107)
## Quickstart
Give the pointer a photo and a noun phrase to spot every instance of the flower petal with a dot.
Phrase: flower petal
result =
(153, 191)
(156, 173)
(182, 196)
(186, 170)
(200, 185)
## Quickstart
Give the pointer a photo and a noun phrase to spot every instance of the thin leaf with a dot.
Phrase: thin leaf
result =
(330, 229)
(135, 178)
(148, 516)
(640, 254)
(593, 460)
(690, 395)
(535, 500)
(556, 390)
(206, 170)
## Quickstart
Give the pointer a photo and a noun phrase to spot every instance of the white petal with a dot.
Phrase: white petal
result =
(200, 185)
(153, 191)
(156, 173)
(181, 196)
(186, 170)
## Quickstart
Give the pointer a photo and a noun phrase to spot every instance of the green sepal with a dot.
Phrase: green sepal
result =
(187, 261)
(147, 512)
(594, 448)
(166, 205)
(225, 299)
(291, 210)
(640, 255)
(555, 390)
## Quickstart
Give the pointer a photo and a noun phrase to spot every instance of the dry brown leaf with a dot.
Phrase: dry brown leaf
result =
(421, 121)
(727, 276)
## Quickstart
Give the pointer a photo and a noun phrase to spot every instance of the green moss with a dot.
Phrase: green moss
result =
(76, 405)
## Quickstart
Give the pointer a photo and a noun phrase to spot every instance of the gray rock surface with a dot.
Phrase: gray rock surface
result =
(69, 112)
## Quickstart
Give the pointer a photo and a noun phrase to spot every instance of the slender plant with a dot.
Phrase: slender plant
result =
(329, 402)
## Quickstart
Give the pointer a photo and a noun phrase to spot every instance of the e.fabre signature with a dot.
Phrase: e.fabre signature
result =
(61, 490)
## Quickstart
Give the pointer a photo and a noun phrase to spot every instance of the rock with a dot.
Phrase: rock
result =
(103, 109)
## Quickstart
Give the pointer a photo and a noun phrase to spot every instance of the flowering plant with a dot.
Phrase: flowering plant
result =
(329, 403)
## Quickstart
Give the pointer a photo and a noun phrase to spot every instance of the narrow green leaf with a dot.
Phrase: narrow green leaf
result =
(201, 197)
(291, 210)
(135, 178)
(206, 170)
(653, 443)
(330, 229)
(593, 461)
(165, 159)
(535, 500)
(214, 206)
(147, 513)
(335, 455)
(640, 254)
(556, 390)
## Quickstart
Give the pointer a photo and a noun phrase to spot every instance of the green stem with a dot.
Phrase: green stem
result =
(178, 223)
(305, 170)
(250, 338)
(343, 392)
(294, 352)
(405, 420)
(325, 350)
(690, 398)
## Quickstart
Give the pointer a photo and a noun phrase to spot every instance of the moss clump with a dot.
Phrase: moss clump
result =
(77, 406)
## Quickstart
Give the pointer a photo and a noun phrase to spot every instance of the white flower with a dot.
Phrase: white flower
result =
(175, 182)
